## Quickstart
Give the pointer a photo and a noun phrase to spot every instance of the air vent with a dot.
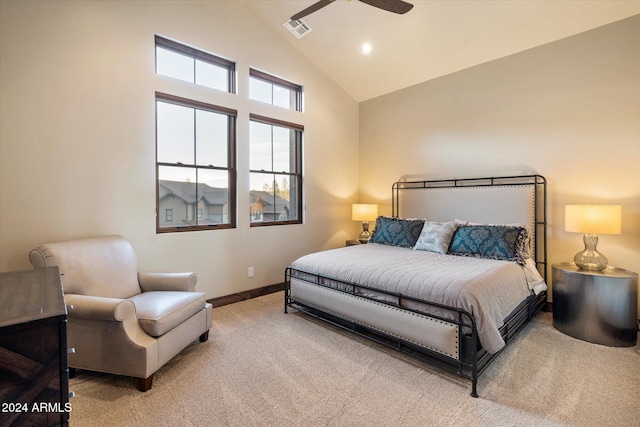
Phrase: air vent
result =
(297, 27)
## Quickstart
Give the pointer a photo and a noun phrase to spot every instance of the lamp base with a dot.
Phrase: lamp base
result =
(590, 258)
(366, 234)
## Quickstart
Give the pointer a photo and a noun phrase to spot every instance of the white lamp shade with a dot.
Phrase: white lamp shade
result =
(596, 219)
(364, 212)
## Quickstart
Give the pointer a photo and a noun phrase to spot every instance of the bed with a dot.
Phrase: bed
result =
(451, 277)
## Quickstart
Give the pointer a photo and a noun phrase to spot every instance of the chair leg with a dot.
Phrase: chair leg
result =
(204, 336)
(144, 384)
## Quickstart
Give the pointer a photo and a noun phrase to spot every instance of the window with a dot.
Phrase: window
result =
(273, 90)
(195, 163)
(195, 66)
(275, 171)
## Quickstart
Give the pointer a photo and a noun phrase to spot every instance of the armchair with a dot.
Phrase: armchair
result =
(122, 321)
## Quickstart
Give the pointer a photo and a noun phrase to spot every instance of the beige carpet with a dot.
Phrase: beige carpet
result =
(261, 367)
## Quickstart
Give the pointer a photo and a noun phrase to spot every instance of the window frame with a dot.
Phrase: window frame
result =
(194, 53)
(299, 129)
(231, 163)
(277, 81)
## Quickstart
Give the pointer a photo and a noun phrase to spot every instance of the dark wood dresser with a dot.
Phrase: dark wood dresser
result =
(34, 382)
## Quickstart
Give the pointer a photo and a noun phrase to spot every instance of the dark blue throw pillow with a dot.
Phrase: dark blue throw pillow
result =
(491, 241)
(397, 232)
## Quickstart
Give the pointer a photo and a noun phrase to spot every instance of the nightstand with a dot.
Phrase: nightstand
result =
(596, 306)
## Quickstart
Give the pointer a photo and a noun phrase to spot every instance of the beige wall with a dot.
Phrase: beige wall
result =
(568, 110)
(77, 141)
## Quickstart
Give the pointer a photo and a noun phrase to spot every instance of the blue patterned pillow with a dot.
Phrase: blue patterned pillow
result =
(397, 232)
(491, 241)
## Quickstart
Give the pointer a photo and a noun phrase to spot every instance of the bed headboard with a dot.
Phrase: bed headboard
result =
(496, 200)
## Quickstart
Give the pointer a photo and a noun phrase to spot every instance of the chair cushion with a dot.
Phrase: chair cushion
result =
(159, 312)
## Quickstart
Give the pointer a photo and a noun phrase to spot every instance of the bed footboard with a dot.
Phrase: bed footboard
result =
(419, 329)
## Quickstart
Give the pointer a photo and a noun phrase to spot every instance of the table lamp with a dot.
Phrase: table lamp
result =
(364, 213)
(592, 220)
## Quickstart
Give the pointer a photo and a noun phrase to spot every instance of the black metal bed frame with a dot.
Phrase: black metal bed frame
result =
(472, 359)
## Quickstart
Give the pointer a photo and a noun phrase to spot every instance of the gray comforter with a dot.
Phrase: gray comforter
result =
(488, 289)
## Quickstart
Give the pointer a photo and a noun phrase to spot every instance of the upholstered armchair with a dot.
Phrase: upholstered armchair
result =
(121, 321)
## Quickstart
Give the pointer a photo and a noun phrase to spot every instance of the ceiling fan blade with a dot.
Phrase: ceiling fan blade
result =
(312, 8)
(395, 6)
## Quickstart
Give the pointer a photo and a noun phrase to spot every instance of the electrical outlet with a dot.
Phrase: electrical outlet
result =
(250, 272)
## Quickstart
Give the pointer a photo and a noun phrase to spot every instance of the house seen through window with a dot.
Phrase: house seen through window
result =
(195, 142)
(195, 164)
(275, 153)
(275, 172)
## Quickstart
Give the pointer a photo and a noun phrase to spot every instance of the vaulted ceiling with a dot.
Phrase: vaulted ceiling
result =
(435, 38)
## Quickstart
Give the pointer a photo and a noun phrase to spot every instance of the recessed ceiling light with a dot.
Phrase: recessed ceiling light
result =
(365, 48)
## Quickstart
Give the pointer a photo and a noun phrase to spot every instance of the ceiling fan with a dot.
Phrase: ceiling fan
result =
(395, 6)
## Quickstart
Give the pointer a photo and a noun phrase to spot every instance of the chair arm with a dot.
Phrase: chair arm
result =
(99, 308)
(167, 282)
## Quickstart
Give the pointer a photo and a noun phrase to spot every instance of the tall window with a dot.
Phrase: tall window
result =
(195, 162)
(195, 66)
(275, 171)
(273, 90)
(195, 143)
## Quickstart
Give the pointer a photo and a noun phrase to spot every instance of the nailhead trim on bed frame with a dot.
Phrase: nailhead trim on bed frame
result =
(346, 317)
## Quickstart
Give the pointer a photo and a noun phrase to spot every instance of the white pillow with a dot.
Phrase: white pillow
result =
(436, 236)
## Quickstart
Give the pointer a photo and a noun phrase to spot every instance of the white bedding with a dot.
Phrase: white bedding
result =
(488, 289)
